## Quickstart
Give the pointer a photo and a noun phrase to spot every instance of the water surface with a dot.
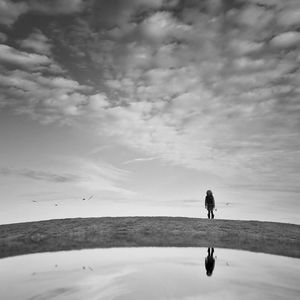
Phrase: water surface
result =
(149, 273)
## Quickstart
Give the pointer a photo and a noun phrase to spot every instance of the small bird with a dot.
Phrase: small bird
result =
(56, 204)
(34, 201)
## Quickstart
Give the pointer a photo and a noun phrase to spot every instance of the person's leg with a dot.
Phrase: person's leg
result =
(208, 213)
(212, 214)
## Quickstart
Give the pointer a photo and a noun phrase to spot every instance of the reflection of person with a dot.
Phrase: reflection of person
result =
(209, 261)
(210, 204)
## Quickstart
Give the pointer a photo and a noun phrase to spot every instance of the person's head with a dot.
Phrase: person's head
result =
(209, 193)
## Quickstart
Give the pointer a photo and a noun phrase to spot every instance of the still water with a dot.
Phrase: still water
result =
(149, 273)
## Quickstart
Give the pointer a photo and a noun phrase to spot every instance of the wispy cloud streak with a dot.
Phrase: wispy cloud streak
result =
(41, 175)
(140, 159)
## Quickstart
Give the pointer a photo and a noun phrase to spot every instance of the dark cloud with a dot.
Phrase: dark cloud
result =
(56, 7)
(3, 37)
(10, 11)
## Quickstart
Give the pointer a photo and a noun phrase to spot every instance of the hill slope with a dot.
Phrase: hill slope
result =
(79, 233)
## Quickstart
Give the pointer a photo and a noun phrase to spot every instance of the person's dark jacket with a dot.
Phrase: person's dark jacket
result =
(209, 202)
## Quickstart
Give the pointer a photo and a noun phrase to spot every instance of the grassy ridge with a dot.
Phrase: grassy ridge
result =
(80, 233)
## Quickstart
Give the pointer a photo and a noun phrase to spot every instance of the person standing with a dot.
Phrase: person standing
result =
(210, 204)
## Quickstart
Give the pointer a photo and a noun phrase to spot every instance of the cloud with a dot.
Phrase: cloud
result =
(40, 175)
(36, 42)
(101, 176)
(91, 176)
(256, 16)
(12, 56)
(34, 84)
(162, 25)
(286, 40)
(3, 37)
(45, 98)
(10, 11)
(56, 7)
(98, 102)
(140, 159)
(202, 96)
(246, 47)
(289, 17)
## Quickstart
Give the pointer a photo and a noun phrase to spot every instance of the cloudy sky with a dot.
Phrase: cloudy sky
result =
(140, 106)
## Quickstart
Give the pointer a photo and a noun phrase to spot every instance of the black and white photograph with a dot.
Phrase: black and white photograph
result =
(149, 149)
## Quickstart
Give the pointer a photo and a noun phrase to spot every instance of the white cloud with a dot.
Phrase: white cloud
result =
(286, 40)
(162, 25)
(289, 17)
(19, 58)
(97, 102)
(48, 99)
(255, 16)
(244, 47)
(95, 176)
(37, 42)
(139, 159)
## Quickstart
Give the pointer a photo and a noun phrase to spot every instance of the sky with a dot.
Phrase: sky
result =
(123, 108)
